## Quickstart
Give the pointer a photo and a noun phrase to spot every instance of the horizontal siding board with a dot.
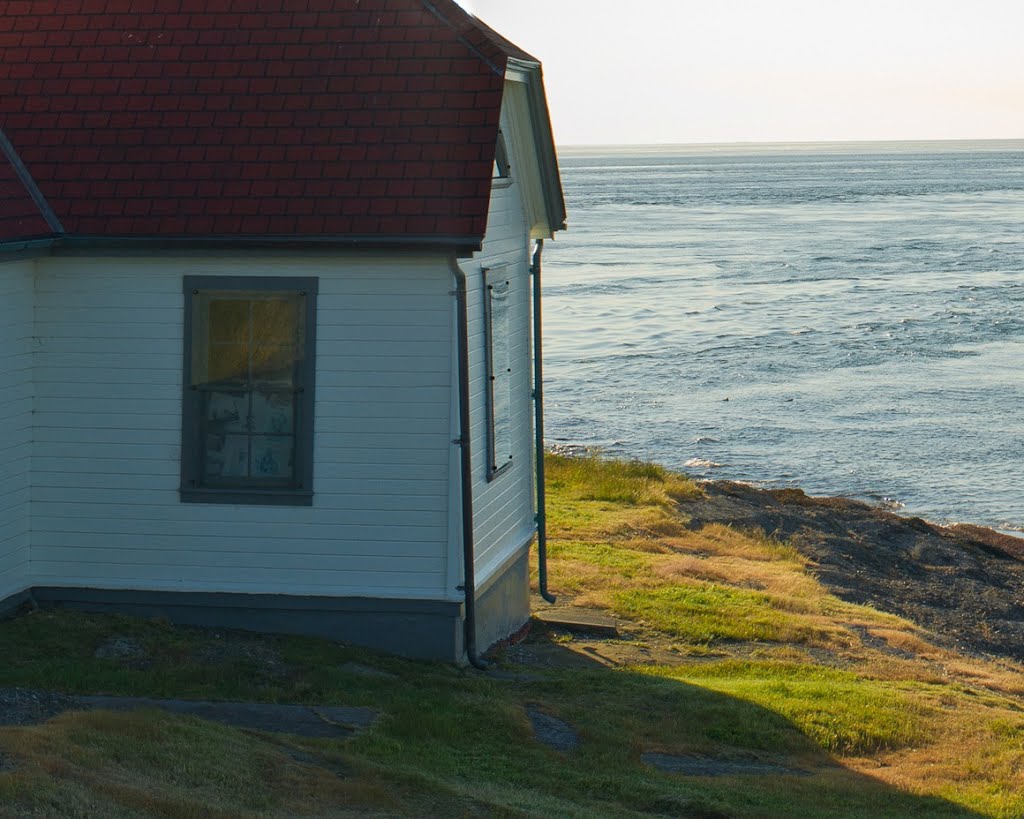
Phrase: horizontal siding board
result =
(384, 428)
(103, 377)
(100, 504)
(16, 403)
(226, 559)
(503, 507)
(409, 408)
(86, 436)
(108, 418)
(65, 419)
(127, 358)
(164, 490)
(110, 392)
(13, 505)
(396, 365)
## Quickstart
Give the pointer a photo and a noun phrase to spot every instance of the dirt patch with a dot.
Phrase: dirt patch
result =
(965, 584)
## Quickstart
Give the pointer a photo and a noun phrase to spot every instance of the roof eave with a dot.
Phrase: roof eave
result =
(461, 245)
(530, 73)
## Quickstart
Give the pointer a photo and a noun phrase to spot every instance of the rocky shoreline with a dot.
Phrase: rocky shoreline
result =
(963, 583)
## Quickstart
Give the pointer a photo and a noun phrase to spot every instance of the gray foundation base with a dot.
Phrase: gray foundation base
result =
(427, 629)
(10, 605)
(503, 605)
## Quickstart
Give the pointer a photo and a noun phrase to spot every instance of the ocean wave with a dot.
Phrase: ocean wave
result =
(702, 463)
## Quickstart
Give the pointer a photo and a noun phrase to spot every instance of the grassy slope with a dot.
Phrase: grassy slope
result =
(754, 661)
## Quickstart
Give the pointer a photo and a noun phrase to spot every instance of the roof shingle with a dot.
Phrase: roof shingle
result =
(265, 117)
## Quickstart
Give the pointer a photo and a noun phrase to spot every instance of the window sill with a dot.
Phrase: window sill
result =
(494, 474)
(255, 497)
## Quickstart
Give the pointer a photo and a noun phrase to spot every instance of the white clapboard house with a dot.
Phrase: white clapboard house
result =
(265, 316)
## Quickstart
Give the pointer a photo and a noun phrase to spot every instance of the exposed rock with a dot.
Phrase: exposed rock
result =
(229, 647)
(320, 721)
(553, 732)
(24, 706)
(367, 671)
(965, 584)
(711, 766)
(126, 651)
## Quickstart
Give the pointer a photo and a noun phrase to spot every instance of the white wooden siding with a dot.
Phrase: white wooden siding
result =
(504, 517)
(15, 423)
(108, 363)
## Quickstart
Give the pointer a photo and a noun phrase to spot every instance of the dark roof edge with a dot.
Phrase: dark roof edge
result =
(544, 139)
(497, 69)
(7, 149)
(87, 245)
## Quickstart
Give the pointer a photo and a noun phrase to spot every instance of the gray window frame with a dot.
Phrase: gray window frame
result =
(494, 469)
(301, 494)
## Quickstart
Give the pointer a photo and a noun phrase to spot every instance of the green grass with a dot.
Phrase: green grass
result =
(635, 483)
(876, 737)
(709, 613)
(839, 711)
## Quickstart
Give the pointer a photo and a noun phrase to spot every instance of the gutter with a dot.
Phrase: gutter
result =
(538, 429)
(468, 542)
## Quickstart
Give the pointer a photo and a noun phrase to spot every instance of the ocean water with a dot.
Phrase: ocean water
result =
(844, 318)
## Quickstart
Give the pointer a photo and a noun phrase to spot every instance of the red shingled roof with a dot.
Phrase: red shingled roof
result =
(250, 118)
(19, 216)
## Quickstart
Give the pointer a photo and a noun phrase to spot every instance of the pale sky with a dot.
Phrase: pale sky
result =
(676, 71)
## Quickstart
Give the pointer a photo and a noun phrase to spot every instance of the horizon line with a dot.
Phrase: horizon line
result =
(786, 142)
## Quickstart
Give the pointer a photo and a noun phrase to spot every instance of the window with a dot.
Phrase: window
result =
(497, 295)
(502, 167)
(247, 411)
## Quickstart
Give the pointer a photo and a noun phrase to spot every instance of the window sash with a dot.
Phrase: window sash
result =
(247, 411)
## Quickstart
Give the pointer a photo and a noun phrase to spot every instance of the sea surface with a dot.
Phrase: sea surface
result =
(846, 318)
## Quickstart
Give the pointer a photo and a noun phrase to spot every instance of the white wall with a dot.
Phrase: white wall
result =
(504, 507)
(105, 506)
(15, 423)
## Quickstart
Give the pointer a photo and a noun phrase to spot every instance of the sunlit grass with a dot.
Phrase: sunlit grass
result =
(763, 663)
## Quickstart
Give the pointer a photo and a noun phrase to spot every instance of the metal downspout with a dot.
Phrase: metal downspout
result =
(468, 543)
(538, 429)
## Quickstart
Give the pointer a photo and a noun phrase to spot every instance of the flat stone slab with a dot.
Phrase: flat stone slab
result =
(26, 706)
(710, 766)
(583, 621)
(307, 721)
(551, 731)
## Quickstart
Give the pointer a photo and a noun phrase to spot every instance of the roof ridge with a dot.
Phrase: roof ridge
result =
(29, 184)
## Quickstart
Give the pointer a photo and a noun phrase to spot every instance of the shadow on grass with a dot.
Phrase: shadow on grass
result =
(448, 741)
(731, 756)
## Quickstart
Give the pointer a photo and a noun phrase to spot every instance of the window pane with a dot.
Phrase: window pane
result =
(273, 364)
(276, 320)
(273, 413)
(229, 320)
(227, 412)
(272, 457)
(227, 456)
(226, 364)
